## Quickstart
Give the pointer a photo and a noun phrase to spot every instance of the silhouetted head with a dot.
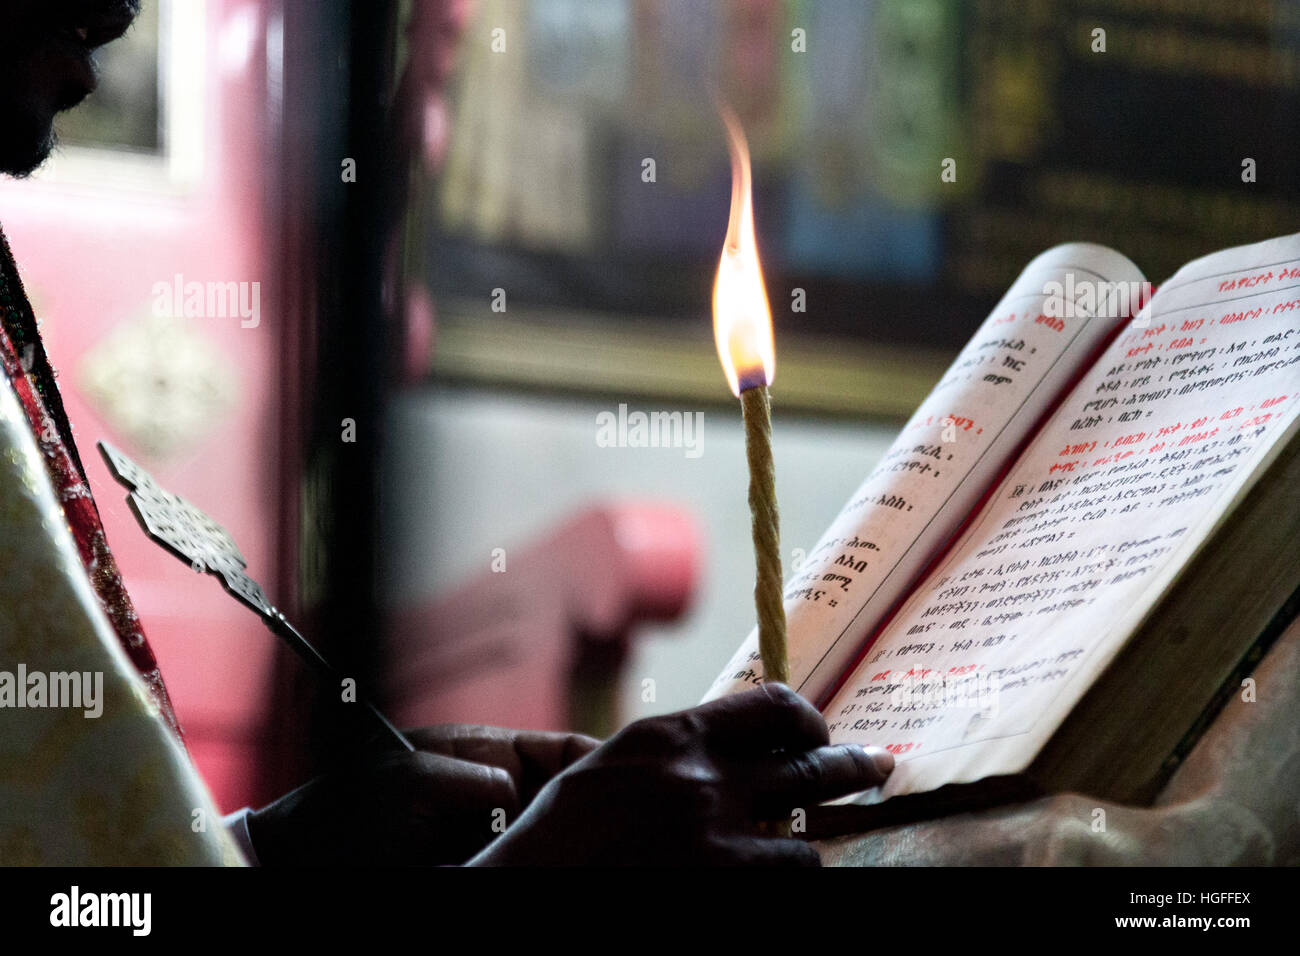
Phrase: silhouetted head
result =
(46, 66)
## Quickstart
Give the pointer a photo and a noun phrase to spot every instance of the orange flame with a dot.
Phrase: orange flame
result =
(742, 318)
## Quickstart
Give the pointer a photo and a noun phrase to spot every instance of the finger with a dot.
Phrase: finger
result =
(807, 778)
(440, 784)
(772, 717)
(531, 758)
(498, 745)
(765, 851)
(544, 754)
(490, 746)
(452, 739)
(456, 807)
(439, 738)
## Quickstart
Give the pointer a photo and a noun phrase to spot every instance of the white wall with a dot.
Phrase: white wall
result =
(485, 469)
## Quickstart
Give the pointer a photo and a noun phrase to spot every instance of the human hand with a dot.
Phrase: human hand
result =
(438, 805)
(693, 787)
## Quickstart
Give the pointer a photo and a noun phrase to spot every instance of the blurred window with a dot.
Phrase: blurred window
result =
(124, 112)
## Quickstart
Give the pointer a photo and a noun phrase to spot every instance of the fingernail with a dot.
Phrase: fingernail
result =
(881, 759)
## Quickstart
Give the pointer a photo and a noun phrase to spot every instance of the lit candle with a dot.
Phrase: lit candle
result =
(742, 329)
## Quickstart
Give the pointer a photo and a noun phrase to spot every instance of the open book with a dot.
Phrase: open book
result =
(1075, 549)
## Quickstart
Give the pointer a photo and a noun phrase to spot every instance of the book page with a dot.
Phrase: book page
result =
(1115, 494)
(1019, 361)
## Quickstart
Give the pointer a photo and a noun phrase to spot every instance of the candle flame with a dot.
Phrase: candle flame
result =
(742, 318)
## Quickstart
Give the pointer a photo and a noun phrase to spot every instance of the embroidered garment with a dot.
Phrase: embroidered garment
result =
(28, 370)
(91, 772)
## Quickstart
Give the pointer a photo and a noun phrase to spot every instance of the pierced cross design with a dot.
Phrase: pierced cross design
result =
(189, 534)
(186, 531)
